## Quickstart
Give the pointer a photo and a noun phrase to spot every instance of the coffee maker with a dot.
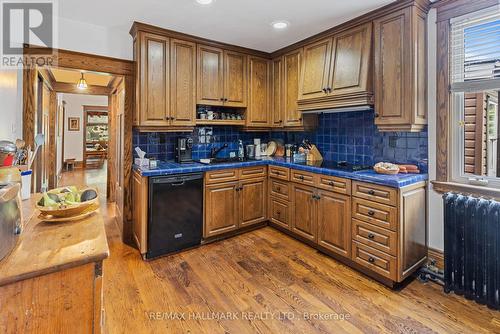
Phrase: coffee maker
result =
(184, 150)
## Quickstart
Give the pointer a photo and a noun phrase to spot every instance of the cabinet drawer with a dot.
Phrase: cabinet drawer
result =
(280, 212)
(374, 260)
(336, 184)
(303, 177)
(277, 172)
(376, 193)
(373, 236)
(279, 189)
(375, 213)
(219, 176)
(252, 172)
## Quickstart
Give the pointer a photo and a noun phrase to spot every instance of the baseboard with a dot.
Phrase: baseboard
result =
(436, 255)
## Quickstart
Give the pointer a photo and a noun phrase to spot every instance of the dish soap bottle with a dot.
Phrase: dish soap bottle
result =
(241, 152)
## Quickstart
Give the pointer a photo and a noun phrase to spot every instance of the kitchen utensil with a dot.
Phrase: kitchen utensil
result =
(20, 144)
(39, 141)
(250, 151)
(271, 148)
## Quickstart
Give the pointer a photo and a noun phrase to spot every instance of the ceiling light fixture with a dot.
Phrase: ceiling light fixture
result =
(280, 25)
(204, 2)
(82, 83)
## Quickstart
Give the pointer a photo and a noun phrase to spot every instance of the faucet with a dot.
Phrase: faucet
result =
(215, 151)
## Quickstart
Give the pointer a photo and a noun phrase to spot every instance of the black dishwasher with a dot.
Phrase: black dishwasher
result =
(175, 213)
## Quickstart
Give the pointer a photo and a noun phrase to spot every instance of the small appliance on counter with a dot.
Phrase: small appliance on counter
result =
(184, 150)
(10, 218)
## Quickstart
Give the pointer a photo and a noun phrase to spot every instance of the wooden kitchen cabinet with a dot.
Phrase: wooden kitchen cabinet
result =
(153, 84)
(304, 209)
(165, 82)
(222, 77)
(236, 204)
(210, 75)
(291, 71)
(235, 79)
(334, 222)
(221, 208)
(140, 185)
(252, 202)
(259, 102)
(401, 70)
(277, 93)
(182, 83)
(336, 71)
(315, 70)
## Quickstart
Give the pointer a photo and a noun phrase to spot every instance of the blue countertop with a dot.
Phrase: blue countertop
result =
(395, 181)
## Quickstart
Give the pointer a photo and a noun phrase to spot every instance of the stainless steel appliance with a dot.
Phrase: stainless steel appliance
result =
(10, 218)
(184, 150)
(175, 213)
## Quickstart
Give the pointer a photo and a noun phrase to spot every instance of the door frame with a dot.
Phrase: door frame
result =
(95, 63)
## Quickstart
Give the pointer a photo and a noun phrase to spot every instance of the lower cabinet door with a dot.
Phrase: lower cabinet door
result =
(334, 222)
(253, 201)
(304, 212)
(279, 212)
(221, 208)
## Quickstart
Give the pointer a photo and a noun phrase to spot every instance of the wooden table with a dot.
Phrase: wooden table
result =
(52, 280)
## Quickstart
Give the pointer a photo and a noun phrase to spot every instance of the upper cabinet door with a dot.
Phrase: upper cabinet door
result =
(235, 79)
(315, 69)
(183, 83)
(351, 59)
(210, 76)
(277, 93)
(401, 70)
(259, 92)
(291, 63)
(154, 80)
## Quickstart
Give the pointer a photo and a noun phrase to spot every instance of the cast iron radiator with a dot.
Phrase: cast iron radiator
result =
(472, 248)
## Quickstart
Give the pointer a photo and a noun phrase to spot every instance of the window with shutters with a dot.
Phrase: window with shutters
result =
(475, 87)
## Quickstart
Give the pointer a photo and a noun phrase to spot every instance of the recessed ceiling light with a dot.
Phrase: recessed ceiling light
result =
(205, 2)
(280, 24)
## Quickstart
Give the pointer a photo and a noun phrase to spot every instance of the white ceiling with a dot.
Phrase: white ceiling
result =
(240, 22)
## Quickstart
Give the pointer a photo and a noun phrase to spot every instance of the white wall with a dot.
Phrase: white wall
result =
(435, 205)
(11, 97)
(73, 140)
(74, 36)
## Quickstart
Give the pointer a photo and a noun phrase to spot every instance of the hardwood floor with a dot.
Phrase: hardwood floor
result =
(266, 282)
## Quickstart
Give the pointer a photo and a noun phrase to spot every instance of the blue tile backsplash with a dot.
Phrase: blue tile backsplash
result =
(350, 136)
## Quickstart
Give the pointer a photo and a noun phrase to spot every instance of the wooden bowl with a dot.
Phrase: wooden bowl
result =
(68, 210)
(386, 171)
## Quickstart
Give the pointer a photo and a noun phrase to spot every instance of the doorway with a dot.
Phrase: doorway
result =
(113, 157)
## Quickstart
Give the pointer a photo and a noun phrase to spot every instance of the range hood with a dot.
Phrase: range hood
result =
(366, 107)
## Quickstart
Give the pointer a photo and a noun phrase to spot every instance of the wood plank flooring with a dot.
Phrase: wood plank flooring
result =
(266, 282)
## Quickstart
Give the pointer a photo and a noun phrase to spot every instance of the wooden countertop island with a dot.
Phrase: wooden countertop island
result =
(52, 281)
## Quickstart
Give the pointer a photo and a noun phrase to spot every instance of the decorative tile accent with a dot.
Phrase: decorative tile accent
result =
(350, 136)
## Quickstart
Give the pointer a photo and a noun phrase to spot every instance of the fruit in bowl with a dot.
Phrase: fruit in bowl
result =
(67, 201)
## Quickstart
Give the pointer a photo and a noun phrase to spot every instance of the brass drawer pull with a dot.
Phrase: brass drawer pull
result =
(371, 259)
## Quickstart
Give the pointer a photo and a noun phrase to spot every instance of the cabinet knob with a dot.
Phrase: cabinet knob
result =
(331, 183)
(371, 236)
(324, 90)
(377, 114)
(281, 121)
(301, 177)
(278, 213)
(371, 259)
(371, 213)
(371, 192)
(278, 188)
(225, 99)
(329, 89)
(222, 99)
(300, 119)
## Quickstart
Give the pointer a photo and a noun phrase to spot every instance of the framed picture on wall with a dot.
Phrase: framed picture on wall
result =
(73, 123)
